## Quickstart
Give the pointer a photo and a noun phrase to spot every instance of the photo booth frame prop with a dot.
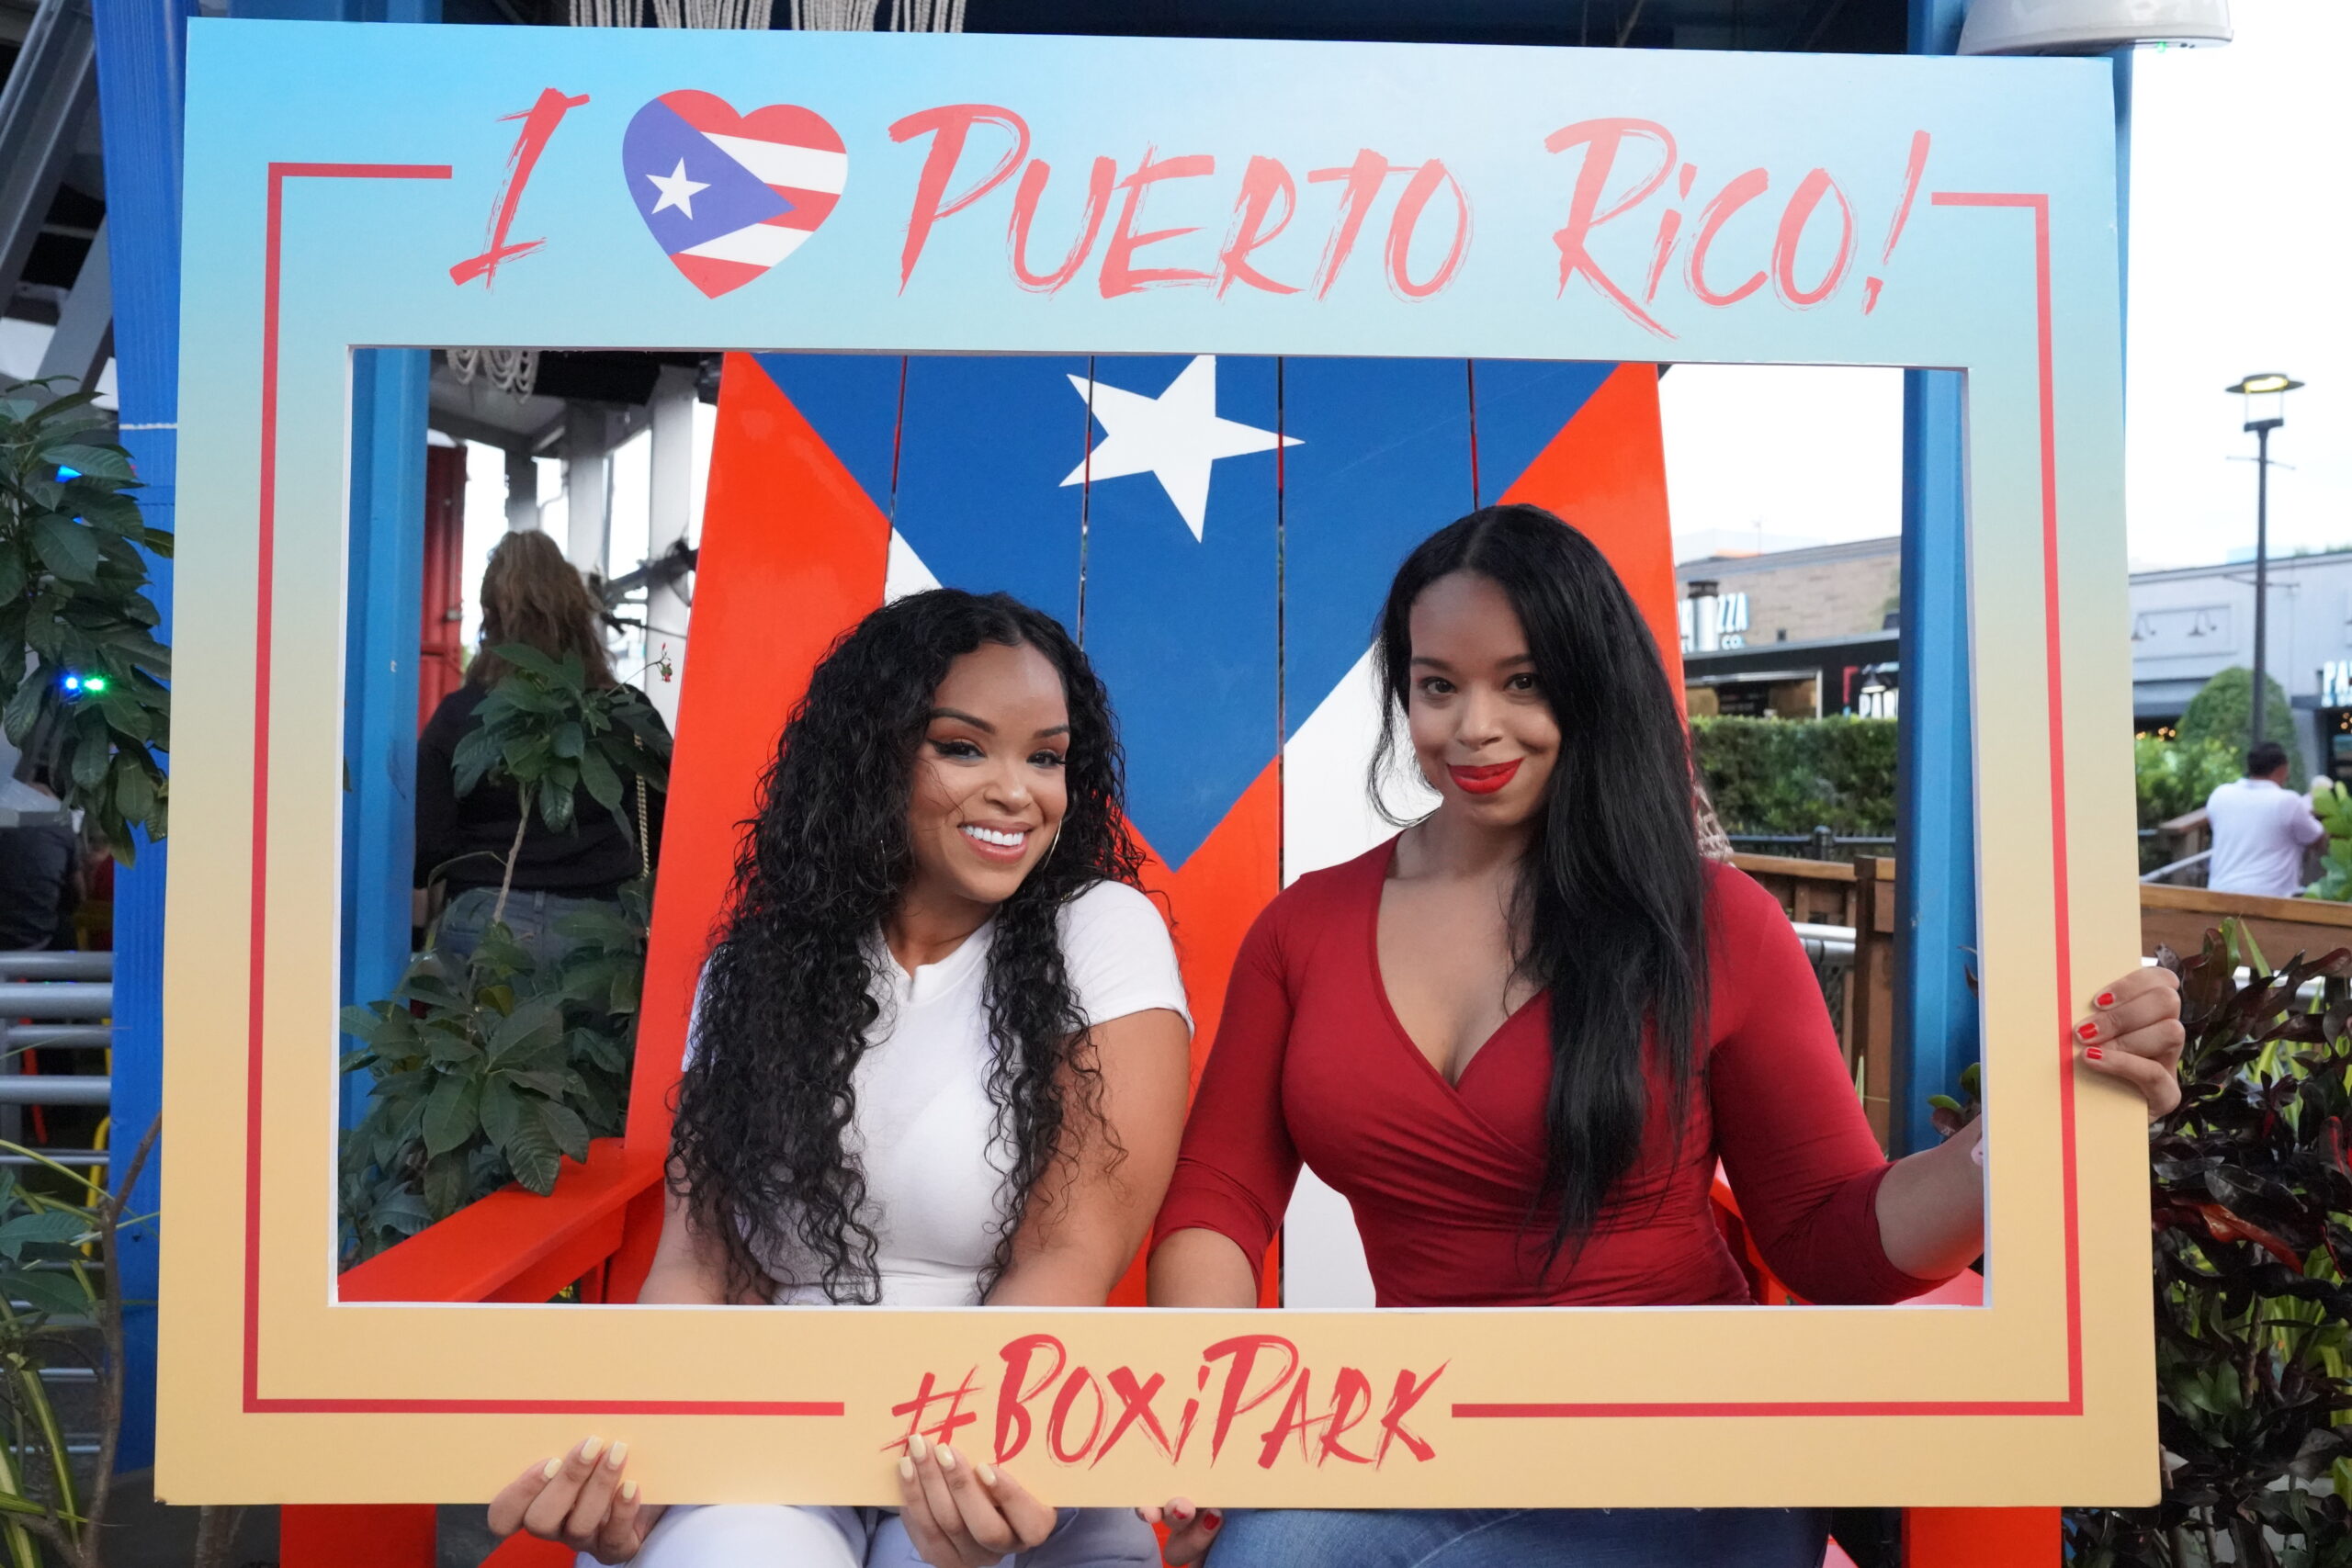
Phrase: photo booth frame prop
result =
(398, 187)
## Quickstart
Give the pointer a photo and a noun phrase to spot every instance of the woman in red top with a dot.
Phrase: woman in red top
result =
(1518, 1037)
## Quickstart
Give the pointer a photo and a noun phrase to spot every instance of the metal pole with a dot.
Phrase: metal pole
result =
(2261, 572)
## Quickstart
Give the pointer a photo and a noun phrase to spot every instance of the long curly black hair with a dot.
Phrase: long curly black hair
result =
(787, 998)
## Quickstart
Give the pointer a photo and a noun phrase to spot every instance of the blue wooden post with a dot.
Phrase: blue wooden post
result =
(142, 61)
(1935, 1014)
(385, 590)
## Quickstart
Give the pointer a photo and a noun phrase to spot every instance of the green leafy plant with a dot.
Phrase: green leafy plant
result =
(496, 1073)
(1791, 775)
(2333, 807)
(545, 733)
(61, 1304)
(2174, 777)
(2252, 1204)
(489, 1076)
(82, 674)
(2223, 712)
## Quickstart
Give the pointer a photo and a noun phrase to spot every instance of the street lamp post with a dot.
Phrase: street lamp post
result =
(2274, 386)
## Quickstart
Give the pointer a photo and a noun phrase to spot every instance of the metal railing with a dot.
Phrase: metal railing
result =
(54, 1001)
(2166, 873)
(1819, 844)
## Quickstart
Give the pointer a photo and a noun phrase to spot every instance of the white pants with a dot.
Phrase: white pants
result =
(755, 1535)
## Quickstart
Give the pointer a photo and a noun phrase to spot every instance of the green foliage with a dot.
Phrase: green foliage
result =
(545, 733)
(2252, 1204)
(61, 1306)
(2223, 711)
(2333, 807)
(487, 1076)
(2175, 776)
(72, 600)
(1791, 775)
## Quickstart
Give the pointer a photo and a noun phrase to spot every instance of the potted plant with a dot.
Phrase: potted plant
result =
(2251, 1205)
(494, 1074)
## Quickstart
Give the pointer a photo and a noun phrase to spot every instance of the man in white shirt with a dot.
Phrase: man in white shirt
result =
(2260, 829)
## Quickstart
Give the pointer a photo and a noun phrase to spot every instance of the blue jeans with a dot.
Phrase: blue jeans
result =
(763, 1536)
(1522, 1538)
(531, 917)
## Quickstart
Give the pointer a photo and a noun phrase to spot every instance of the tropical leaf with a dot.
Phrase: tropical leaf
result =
(66, 548)
(452, 1112)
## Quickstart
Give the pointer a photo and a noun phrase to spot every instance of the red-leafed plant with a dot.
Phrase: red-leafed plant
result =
(2253, 1212)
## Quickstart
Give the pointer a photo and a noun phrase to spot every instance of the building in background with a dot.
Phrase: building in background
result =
(1792, 633)
(2190, 624)
(1797, 633)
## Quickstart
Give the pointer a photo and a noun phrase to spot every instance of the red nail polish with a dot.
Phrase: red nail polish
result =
(2096, 1054)
(2087, 1030)
(1211, 1519)
(2107, 999)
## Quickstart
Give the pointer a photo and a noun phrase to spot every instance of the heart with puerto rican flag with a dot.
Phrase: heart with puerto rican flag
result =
(727, 196)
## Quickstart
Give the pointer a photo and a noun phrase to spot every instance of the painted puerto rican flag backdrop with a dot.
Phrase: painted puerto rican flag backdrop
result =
(1218, 531)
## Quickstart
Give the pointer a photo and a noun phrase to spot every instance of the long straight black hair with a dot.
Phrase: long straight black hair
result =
(1611, 911)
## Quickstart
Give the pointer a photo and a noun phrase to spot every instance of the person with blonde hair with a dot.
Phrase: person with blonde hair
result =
(532, 596)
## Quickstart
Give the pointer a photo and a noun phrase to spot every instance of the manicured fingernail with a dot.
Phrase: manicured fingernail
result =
(1180, 1514)
(589, 1450)
(629, 1491)
(916, 1447)
(2095, 1054)
(2088, 1031)
(2106, 999)
(987, 1475)
(906, 1469)
(1211, 1519)
(616, 1456)
(553, 1468)
(946, 1457)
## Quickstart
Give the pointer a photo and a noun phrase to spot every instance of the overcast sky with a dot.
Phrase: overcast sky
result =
(2238, 264)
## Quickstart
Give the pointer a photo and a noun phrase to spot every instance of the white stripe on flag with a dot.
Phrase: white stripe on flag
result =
(778, 163)
(755, 245)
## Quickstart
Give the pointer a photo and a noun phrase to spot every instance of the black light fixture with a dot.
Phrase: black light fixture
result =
(2262, 418)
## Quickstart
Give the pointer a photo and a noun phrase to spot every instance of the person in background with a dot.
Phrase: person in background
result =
(2260, 829)
(530, 594)
(41, 853)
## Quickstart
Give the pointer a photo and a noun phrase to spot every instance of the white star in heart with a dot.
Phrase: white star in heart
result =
(677, 189)
(1176, 437)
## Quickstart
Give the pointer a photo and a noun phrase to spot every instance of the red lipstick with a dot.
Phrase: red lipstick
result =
(1486, 779)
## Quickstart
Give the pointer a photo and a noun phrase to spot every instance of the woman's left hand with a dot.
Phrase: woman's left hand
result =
(2133, 1033)
(962, 1514)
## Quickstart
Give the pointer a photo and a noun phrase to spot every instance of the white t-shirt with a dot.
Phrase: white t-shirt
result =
(924, 1131)
(2259, 834)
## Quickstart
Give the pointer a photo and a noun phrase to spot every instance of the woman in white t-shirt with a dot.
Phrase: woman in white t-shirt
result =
(938, 1058)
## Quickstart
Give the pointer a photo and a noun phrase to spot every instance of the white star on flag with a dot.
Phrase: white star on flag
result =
(677, 189)
(1175, 437)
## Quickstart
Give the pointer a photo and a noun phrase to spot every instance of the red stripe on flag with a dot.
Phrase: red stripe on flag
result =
(715, 276)
(809, 208)
(787, 124)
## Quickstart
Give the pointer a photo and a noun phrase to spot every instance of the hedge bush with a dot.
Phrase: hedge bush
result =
(2223, 711)
(2174, 776)
(1791, 775)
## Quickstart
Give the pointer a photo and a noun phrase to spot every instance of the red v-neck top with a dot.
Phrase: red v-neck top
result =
(1311, 1064)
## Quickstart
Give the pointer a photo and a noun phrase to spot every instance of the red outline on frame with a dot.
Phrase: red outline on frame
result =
(265, 585)
(2038, 205)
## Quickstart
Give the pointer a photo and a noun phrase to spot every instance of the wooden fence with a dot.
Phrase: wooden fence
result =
(1860, 896)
